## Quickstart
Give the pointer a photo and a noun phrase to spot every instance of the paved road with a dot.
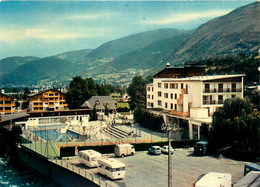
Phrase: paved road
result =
(144, 170)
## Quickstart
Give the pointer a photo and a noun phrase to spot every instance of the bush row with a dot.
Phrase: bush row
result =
(105, 149)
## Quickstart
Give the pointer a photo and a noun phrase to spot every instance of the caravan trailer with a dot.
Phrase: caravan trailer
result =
(89, 157)
(111, 168)
(214, 179)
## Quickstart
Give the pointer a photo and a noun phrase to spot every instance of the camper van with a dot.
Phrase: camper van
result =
(111, 168)
(123, 150)
(89, 157)
(214, 179)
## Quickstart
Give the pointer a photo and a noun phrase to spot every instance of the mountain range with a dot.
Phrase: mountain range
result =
(143, 54)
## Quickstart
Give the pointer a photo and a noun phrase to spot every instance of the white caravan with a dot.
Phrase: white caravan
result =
(123, 150)
(214, 179)
(111, 168)
(89, 157)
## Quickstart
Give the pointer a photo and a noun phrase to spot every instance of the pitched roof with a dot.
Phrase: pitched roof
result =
(7, 95)
(42, 91)
(100, 102)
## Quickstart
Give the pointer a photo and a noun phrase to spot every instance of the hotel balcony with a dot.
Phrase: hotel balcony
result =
(7, 111)
(36, 106)
(8, 105)
(178, 113)
(223, 90)
(213, 102)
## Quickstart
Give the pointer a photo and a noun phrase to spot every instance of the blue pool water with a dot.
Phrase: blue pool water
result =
(51, 126)
(54, 134)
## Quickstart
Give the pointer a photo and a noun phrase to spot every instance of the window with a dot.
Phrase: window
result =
(159, 102)
(171, 106)
(159, 94)
(171, 96)
(175, 96)
(175, 106)
(172, 86)
(234, 86)
(152, 89)
(207, 88)
(166, 85)
(152, 96)
(181, 85)
(165, 95)
(148, 96)
(159, 85)
(220, 87)
(176, 86)
(233, 96)
(148, 88)
(166, 105)
(220, 99)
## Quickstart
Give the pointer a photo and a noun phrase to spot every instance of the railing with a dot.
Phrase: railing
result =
(7, 105)
(221, 90)
(178, 113)
(7, 111)
(84, 173)
(213, 102)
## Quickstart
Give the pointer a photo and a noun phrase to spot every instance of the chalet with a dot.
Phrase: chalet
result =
(47, 100)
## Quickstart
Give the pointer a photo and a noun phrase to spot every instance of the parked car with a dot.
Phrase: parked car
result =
(165, 149)
(155, 150)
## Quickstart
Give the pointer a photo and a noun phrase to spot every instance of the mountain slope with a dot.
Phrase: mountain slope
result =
(7, 65)
(235, 32)
(127, 44)
(149, 56)
(47, 68)
(74, 56)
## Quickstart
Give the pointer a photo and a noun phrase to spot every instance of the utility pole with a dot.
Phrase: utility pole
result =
(169, 128)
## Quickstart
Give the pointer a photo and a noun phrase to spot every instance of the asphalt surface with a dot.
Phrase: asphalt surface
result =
(147, 170)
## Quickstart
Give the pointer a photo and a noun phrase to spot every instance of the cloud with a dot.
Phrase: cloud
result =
(186, 17)
(89, 16)
(53, 34)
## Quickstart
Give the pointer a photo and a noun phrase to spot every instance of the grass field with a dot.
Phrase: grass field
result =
(122, 105)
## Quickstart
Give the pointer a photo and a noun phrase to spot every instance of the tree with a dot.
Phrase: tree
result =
(136, 91)
(237, 125)
(77, 93)
(81, 90)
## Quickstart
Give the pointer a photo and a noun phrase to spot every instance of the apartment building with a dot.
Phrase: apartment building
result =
(186, 93)
(7, 104)
(47, 100)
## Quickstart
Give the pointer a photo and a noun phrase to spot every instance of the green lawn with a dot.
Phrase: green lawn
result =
(122, 105)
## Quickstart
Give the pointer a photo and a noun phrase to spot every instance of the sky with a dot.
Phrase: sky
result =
(45, 28)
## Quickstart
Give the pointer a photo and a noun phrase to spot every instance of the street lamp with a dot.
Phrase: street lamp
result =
(169, 128)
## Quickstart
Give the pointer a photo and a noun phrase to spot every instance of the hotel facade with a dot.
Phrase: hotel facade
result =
(47, 100)
(185, 93)
(7, 104)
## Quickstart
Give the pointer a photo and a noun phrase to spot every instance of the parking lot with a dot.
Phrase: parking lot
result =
(147, 170)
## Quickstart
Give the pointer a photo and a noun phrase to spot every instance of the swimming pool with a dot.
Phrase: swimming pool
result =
(51, 126)
(54, 135)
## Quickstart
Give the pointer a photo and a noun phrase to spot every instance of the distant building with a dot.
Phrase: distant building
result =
(116, 96)
(126, 98)
(100, 102)
(47, 100)
(7, 104)
(186, 94)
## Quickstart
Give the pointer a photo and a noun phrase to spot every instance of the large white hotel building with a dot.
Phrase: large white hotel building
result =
(185, 93)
